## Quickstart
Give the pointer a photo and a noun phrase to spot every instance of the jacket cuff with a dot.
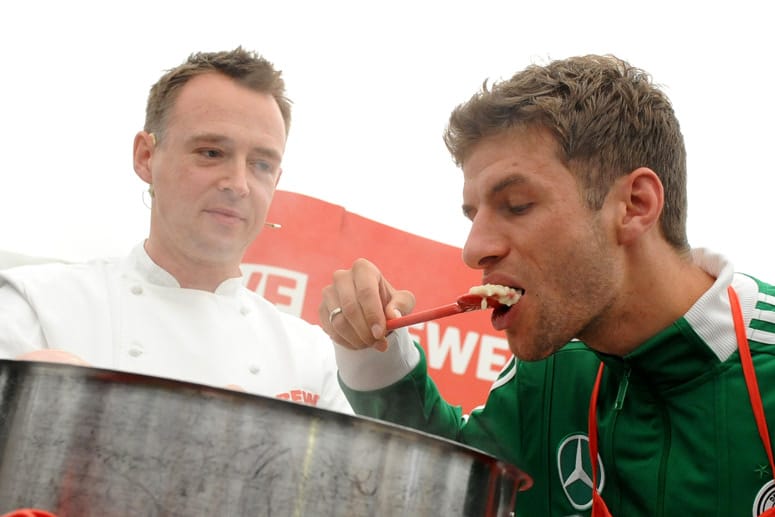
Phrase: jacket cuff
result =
(370, 369)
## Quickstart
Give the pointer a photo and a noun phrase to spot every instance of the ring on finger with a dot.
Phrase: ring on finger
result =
(333, 313)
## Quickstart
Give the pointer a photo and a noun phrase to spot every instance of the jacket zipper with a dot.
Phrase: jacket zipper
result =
(622, 393)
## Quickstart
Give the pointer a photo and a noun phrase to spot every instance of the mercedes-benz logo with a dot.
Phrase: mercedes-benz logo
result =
(575, 471)
(765, 499)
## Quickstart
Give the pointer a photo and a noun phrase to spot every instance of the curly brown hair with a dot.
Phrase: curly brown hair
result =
(607, 117)
(246, 67)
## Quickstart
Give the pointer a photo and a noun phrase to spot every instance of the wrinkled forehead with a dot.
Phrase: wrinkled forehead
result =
(525, 160)
(222, 108)
(516, 144)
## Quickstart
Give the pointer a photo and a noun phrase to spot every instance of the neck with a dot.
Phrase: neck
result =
(192, 273)
(658, 289)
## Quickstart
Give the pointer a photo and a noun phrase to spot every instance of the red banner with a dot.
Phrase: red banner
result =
(291, 265)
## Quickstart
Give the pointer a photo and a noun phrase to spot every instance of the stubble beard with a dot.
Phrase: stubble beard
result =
(574, 307)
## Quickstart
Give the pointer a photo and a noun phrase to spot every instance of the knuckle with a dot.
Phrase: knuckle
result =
(340, 274)
(350, 309)
(366, 292)
(362, 263)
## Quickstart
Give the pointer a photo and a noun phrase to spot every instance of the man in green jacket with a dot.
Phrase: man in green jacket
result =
(630, 347)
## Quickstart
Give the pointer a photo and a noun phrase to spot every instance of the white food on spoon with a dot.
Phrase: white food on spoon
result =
(504, 294)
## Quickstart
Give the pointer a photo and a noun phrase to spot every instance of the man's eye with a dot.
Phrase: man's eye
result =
(211, 153)
(263, 166)
(519, 209)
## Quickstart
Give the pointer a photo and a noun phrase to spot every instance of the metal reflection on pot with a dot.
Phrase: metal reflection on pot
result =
(81, 441)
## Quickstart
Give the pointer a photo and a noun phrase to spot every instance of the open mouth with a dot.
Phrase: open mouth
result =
(506, 305)
(500, 298)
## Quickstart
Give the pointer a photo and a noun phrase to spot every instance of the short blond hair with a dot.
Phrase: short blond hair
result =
(246, 67)
(607, 117)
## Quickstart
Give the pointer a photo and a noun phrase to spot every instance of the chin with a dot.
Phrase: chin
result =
(528, 350)
(220, 252)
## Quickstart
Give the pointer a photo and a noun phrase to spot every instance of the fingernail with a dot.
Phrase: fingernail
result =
(376, 331)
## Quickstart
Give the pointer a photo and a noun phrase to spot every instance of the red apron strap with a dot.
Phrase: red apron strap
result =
(599, 508)
(750, 374)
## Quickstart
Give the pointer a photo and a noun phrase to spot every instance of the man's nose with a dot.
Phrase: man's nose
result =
(486, 243)
(235, 179)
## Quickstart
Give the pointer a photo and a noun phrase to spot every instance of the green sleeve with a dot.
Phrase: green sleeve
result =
(413, 401)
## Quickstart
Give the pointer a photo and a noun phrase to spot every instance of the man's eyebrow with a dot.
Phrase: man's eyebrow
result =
(268, 152)
(210, 138)
(508, 181)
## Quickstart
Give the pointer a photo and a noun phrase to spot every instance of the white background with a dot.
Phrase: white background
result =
(372, 85)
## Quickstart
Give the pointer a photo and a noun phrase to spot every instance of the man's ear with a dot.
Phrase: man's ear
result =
(144, 145)
(641, 198)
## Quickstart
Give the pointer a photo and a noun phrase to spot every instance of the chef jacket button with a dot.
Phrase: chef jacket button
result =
(137, 289)
(136, 351)
(254, 369)
(244, 310)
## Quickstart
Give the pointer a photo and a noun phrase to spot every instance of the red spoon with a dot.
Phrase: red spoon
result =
(464, 303)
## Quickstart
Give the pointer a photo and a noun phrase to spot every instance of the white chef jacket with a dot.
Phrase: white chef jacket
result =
(129, 314)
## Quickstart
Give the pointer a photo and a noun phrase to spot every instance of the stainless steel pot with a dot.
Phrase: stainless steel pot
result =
(81, 441)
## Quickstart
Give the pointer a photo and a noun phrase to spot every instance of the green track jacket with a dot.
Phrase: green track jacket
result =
(677, 435)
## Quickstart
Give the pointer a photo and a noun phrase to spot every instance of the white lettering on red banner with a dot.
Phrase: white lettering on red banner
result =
(283, 287)
(440, 347)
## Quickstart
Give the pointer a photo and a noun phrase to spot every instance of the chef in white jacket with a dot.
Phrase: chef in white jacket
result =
(175, 307)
